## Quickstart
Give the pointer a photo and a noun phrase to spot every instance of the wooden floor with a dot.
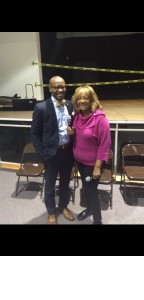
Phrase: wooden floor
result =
(115, 110)
(15, 115)
(124, 110)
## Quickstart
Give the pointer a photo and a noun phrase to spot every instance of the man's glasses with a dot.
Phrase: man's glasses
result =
(58, 87)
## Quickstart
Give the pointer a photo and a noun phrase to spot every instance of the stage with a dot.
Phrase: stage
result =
(124, 110)
(115, 110)
(126, 118)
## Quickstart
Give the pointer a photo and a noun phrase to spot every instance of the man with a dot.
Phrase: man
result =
(51, 141)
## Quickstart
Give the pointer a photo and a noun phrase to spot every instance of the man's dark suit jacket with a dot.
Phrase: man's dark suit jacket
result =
(44, 128)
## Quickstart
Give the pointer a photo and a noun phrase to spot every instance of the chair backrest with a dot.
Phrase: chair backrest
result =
(133, 150)
(29, 154)
(107, 172)
(29, 148)
(107, 176)
(133, 154)
(74, 183)
(74, 172)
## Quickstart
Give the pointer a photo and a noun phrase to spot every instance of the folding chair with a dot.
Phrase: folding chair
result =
(31, 166)
(107, 176)
(132, 166)
(74, 183)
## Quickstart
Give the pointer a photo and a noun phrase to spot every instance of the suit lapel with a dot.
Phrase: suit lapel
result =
(69, 107)
(50, 110)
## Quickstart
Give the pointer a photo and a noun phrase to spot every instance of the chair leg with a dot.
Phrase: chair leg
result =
(17, 185)
(77, 181)
(111, 196)
(73, 196)
(121, 180)
(42, 188)
(76, 184)
(124, 193)
(124, 190)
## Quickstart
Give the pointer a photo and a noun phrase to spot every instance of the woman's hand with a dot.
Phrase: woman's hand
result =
(70, 131)
(96, 172)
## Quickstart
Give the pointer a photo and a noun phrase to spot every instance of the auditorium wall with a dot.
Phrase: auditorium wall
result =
(17, 52)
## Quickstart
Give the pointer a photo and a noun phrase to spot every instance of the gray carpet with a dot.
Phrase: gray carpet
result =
(28, 208)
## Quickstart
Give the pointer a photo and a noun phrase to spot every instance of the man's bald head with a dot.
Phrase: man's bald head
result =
(57, 87)
(56, 80)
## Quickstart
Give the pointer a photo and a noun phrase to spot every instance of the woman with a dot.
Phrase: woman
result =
(91, 144)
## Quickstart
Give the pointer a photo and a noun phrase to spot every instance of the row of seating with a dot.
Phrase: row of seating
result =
(132, 170)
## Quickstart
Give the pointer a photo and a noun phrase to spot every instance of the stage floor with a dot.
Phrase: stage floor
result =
(124, 110)
(115, 110)
(119, 113)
